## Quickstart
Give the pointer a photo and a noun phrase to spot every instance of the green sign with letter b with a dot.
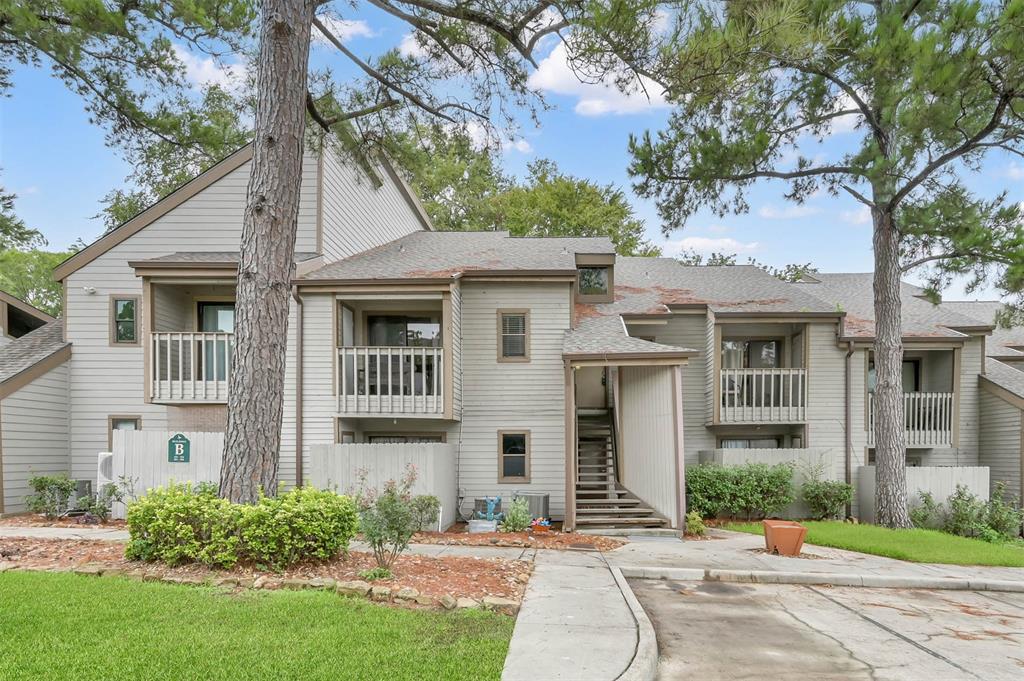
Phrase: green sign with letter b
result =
(178, 449)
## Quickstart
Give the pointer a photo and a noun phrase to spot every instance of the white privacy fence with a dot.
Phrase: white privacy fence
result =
(147, 458)
(340, 467)
(940, 481)
(819, 460)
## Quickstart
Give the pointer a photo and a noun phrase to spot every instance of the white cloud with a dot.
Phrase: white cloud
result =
(207, 71)
(703, 244)
(861, 216)
(790, 212)
(410, 47)
(343, 29)
(555, 74)
(1015, 171)
(520, 145)
(480, 137)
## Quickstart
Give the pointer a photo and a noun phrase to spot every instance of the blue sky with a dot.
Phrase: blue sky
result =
(60, 168)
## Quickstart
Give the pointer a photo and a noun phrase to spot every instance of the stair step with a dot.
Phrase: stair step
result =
(598, 485)
(639, 510)
(606, 502)
(612, 521)
(598, 494)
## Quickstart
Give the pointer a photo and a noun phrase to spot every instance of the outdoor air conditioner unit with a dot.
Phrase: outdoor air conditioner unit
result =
(83, 488)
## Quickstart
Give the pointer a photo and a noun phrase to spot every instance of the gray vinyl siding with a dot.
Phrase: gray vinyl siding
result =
(696, 332)
(709, 371)
(648, 437)
(107, 380)
(456, 342)
(357, 214)
(1001, 442)
(826, 395)
(34, 431)
(319, 404)
(971, 360)
(514, 395)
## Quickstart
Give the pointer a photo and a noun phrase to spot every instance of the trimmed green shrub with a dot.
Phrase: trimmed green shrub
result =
(375, 573)
(753, 490)
(695, 524)
(826, 498)
(425, 508)
(1002, 516)
(183, 523)
(927, 515)
(50, 494)
(517, 518)
(965, 515)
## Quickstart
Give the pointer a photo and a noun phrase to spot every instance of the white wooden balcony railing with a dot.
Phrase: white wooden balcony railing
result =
(190, 367)
(763, 395)
(928, 418)
(391, 380)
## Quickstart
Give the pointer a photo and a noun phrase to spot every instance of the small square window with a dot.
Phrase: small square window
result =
(514, 456)
(513, 336)
(124, 327)
(593, 281)
(121, 423)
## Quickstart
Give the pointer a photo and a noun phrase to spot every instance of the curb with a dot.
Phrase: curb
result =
(644, 665)
(822, 579)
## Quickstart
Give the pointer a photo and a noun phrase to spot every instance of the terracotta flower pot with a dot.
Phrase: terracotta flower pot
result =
(784, 537)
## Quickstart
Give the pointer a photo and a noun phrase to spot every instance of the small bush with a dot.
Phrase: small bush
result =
(518, 517)
(927, 515)
(373, 574)
(826, 498)
(387, 517)
(183, 523)
(97, 506)
(695, 524)
(51, 494)
(425, 508)
(965, 514)
(753, 490)
(1004, 518)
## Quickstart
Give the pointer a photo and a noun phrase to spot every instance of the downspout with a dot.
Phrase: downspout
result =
(298, 386)
(848, 380)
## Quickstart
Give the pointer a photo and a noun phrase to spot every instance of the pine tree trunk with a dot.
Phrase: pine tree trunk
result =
(890, 436)
(255, 399)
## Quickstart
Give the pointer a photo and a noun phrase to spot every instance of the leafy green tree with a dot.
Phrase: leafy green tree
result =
(123, 58)
(214, 127)
(551, 203)
(930, 89)
(13, 231)
(791, 272)
(28, 275)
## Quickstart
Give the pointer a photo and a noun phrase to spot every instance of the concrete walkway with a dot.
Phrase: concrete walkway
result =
(574, 622)
(738, 551)
(83, 532)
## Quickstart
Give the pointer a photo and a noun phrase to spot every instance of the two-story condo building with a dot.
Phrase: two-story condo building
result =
(552, 364)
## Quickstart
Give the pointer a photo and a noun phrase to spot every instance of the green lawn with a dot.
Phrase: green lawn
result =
(65, 626)
(918, 546)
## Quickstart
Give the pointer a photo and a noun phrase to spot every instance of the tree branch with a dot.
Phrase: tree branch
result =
(954, 254)
(773, 174)
(422, 25)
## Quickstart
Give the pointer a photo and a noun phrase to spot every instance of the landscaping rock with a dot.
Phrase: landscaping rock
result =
(380, 593)
(503, 605)
(423, 599)
(246, 583)
(295, 584)
(448, 602)
(464, 603)
(522, 578)
(406, 594)
(152, 577)
(260, 581)
(354, 588)
(7, 565)
(225, 581)
(172, 579)
(94, 570)
(193, 580)
(113, 572)
(322, 583)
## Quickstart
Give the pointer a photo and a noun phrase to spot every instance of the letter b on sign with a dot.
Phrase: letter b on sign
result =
(178, 449)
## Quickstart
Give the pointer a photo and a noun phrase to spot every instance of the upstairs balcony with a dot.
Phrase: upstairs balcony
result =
(188, 366)
(928, 419)
(384, 380)
(763, 395)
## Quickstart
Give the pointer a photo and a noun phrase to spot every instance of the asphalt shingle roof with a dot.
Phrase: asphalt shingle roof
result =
(1002, 342)
(854, 295)
(442, 255)
(212, 257)
(1005, 376)
(35, 346)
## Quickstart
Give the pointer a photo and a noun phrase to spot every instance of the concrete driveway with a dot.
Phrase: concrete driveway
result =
(714, 630)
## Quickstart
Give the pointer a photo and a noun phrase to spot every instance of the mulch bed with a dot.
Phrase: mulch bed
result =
(460, 577)
(458, 535)
(33, 520)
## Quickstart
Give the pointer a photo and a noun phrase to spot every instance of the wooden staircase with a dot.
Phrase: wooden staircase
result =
(601, 500)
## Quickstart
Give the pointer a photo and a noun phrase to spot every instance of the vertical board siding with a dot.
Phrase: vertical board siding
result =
(940, 481)
(345, 467)
(1001, 442)
(319, 403)
(513, 395)
(34, 428)
(648, 437)
(141, 457)
(697, 332)
(357, 215)
(456, 343)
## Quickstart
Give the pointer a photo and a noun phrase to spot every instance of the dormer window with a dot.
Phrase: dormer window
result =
(593, 281)
(595, 277)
